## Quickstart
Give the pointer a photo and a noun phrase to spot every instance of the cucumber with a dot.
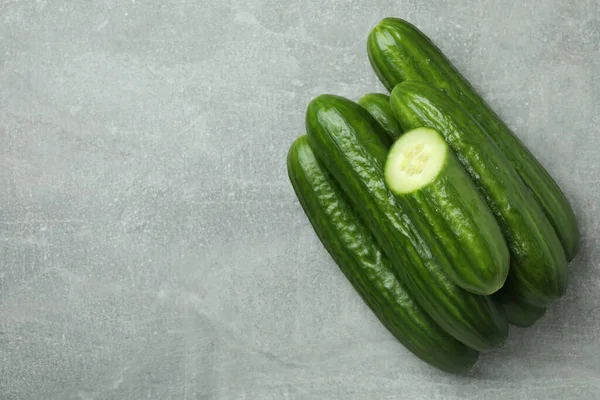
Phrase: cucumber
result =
(398, 52)
(433, 187)
(538, 265)
(518, 312)
(360, 258)
(378, 105)
(352, 146)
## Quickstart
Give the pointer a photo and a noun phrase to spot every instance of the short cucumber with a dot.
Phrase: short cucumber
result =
(538, 265)
(360, 258)
(433, 187)
(378, 105)
(352, 146)
(518, 312)
(398, 52)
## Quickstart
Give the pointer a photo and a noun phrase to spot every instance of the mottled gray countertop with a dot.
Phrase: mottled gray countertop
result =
(151, 246)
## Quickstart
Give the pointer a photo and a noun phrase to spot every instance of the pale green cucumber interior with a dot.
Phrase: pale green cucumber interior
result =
(415, 159)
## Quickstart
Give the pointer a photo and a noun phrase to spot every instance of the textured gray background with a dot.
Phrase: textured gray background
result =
(151, 246)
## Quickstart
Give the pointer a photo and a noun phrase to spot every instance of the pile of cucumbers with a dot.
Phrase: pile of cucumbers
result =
(438, 215)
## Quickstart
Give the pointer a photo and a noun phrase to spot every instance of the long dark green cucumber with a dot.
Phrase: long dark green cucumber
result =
(378, 105)
(518, 312)
(433, 188)
(538, 264)
(350, 144)
(399, 52)
(360, 258)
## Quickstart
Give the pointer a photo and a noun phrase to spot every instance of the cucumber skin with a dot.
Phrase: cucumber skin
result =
(359, 257)
(398, 52)
(352, 147)
(378, 105)
(518, 312)
(538, 265)
(465, 228)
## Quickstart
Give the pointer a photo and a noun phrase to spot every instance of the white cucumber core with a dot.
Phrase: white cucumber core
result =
(415, 159)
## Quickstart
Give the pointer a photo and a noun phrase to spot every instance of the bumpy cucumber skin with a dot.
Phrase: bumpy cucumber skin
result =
(398, 52)
(351, 146)
(360, 258)
(538, 265)
(465, 228)
(518, 312)
(378, 105)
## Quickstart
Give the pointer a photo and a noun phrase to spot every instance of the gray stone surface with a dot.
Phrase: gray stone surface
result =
(151, 246)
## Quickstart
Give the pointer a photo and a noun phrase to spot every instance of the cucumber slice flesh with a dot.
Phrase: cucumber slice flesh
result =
(415, 160)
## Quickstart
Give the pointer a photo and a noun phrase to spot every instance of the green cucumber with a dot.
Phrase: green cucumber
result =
(398, 52)
(352, 146)
(518, 312)
(360, 258)
(538, 265)
(378, 105)
(433, 187)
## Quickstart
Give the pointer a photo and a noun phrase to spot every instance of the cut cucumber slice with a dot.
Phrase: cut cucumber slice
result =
(437, 194)
(415, 160)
